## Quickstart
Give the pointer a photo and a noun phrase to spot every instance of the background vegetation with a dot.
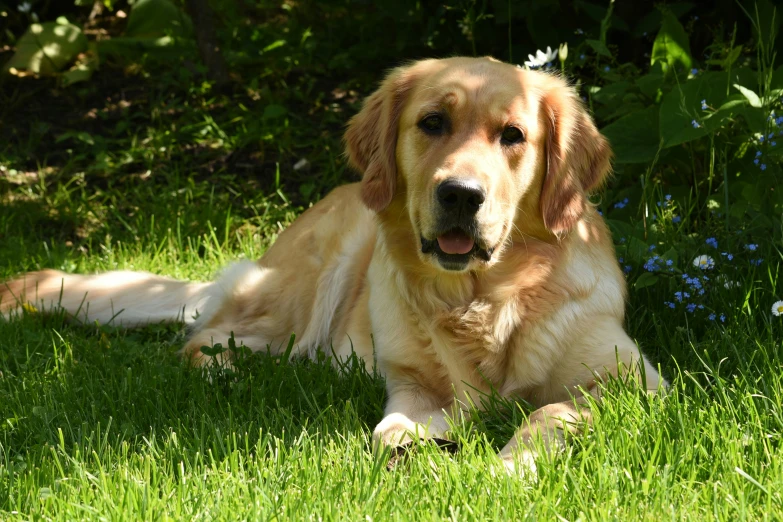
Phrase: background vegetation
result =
(124, 144)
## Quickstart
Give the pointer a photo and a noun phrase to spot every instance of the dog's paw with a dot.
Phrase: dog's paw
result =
(396, 430)
(520, 463)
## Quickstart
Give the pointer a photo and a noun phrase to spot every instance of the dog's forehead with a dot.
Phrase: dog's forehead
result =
(496, 87)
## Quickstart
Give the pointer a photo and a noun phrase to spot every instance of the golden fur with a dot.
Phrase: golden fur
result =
(538, 317)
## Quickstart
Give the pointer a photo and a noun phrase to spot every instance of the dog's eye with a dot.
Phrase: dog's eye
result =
(432, 124)
(511, 136)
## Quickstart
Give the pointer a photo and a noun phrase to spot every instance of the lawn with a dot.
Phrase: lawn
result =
(147, 166)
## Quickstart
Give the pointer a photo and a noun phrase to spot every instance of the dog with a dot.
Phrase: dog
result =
(467, 260)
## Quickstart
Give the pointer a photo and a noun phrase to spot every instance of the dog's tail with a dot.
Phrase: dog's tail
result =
(121, 298)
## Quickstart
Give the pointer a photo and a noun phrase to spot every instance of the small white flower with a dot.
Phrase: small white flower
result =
(704, 262)
(777, 309)
(541, 58)
(24, 7)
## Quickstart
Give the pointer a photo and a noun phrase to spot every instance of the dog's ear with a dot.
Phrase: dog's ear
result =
(578, 158)
(371, 138)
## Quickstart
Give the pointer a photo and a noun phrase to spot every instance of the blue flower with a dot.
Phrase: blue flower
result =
(581, 56)
(703, 102)
(694, 72)
(676, 219)
(712, 242)
(695, 124)
(756, 262)
(763, 166)
(621, 204)
(607, 69)
(651, 265)
(669, 262)
(758, 153)
(711, 317)
(627, 269)
(651, 248)
(751, 247)
(771, 135)
(669, 304)
(774, 143)
(756, 161)
(722, 318)
(727, 255)
(691, 307)
(668, 197)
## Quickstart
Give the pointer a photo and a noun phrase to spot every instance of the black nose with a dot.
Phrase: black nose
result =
(461, 196)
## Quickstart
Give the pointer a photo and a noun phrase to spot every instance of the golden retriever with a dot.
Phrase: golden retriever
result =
(468, 259)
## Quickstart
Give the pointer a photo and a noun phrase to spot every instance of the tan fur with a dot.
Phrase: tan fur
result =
(542, 319)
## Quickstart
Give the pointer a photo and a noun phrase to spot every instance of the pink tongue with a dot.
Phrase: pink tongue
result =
(455, 242)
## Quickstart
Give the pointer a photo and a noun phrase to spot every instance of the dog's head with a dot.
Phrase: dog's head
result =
(475, 153)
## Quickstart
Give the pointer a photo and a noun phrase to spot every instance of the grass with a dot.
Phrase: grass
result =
(151, 171)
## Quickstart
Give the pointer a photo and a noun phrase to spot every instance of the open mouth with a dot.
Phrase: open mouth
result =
(454, 249)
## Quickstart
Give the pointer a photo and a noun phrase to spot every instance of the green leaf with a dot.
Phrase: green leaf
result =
(212, 351)
(48, 48)
(650, 84)
(85, 65)
(754, 117)
(637, 250)
(731, 57)
(671, 46)
(635, 138)
(273, 111)
(620, 229)
(645, 280)
(777, 78)
(599, 47)
(671, 254)
(611, 92)
(751, 96)
(156, 18)
(132, 47)
(682, 106)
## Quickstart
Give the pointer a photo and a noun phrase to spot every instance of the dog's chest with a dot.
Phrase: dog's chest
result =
(474, 340)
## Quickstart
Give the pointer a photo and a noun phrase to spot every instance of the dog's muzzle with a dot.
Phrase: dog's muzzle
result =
(457, 239)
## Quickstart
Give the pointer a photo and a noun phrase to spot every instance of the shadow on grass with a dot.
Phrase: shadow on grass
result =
(62, 382)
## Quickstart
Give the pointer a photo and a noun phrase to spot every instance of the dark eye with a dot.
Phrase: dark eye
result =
(432, 124)
(511, 136)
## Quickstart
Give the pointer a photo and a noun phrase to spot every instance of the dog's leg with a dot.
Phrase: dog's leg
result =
(551, 422)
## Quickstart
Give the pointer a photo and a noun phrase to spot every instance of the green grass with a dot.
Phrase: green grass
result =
(97, 422)
(101, 423)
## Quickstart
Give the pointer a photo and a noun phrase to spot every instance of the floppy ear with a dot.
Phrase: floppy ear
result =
(371, 139)
(578, 159)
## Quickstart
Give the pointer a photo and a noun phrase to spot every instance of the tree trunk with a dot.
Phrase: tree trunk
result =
(203, 24)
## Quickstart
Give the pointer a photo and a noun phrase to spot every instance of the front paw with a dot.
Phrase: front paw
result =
(519, 462)
(396, 430)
